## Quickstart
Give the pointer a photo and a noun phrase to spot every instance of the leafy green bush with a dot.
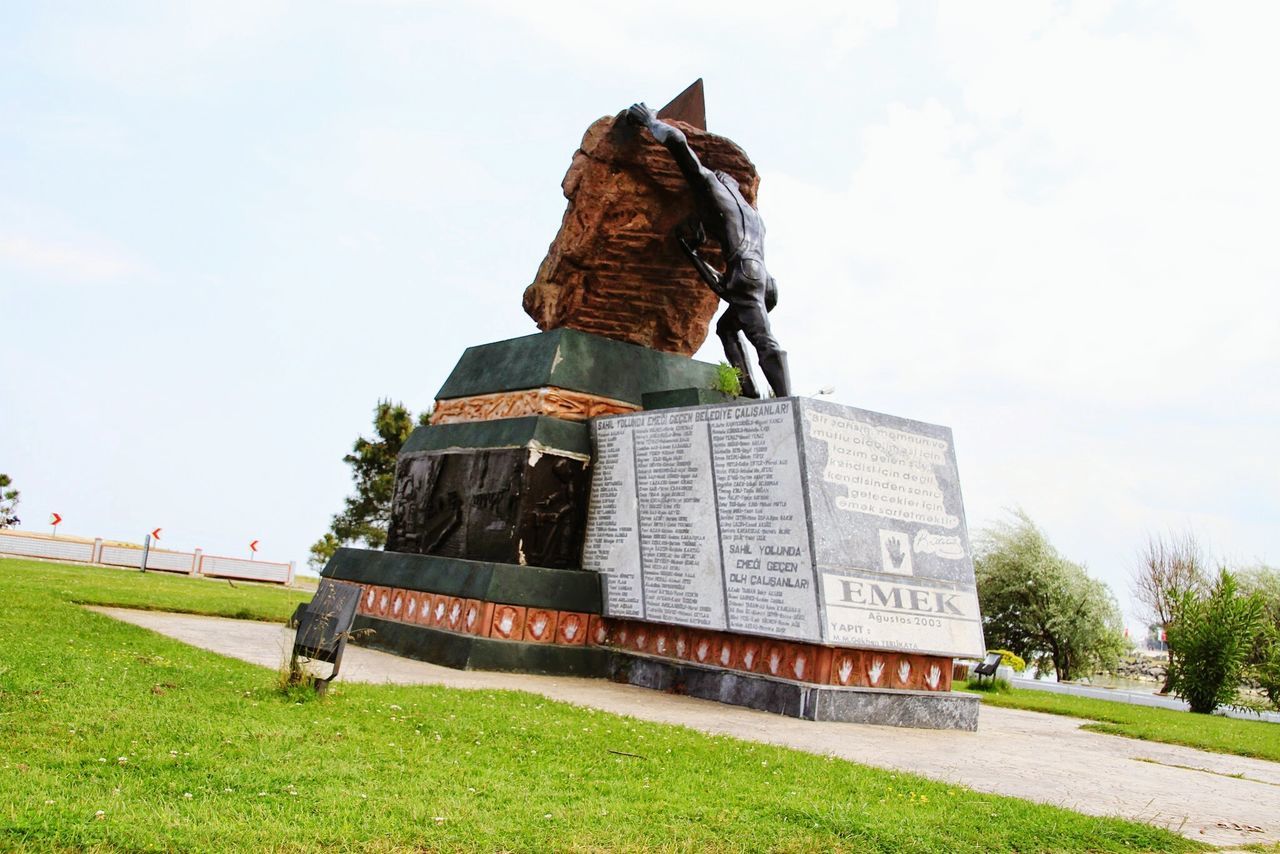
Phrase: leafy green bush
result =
(1264, 660)
(1211, 638)
(1266, 668)
(1042, 606)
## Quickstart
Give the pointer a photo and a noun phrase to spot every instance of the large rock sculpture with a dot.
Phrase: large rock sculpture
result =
(616, 269)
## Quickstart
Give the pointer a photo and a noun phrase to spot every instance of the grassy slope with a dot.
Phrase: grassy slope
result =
(215, 757)
(1207, 732)
(162, 591)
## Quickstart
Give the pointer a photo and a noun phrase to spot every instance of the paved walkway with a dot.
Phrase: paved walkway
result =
(1211, 797)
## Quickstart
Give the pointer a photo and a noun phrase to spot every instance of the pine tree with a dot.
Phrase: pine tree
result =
(8, 503)
(366, 514)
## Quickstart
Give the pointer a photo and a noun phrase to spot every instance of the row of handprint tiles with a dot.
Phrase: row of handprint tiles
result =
(801, 662)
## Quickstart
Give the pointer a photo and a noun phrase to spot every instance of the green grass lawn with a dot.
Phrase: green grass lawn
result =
(161, 591)
(1258, 739)
(115, 737)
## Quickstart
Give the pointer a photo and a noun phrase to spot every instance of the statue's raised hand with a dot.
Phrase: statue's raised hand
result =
(691, 232)
(641, 114)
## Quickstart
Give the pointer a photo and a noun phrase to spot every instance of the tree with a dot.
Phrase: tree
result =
(366, 514)
(1168, 569)
(1212, 637)
(8, 503)
(1042, 606)
(1263, 664)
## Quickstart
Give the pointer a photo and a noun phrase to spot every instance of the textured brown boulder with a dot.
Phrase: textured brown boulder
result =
(615, 268)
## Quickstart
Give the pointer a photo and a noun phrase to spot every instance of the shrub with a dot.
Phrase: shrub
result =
(1008, 659)
(1264, 660)
(1266, 669)
(1211, 638)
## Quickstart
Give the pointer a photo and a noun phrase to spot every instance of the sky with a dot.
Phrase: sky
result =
(227, 229)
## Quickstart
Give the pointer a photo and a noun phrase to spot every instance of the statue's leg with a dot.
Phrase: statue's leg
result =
(727, 331)
(755, 322)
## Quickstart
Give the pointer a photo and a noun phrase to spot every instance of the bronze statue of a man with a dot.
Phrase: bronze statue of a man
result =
(745, 285)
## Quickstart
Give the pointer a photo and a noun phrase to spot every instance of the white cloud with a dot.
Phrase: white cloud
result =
(79, 262)
(172, 48)
(1074, 259)
(417, 168)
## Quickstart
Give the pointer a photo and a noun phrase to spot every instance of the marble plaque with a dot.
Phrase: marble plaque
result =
(889, 532)
(789, 518)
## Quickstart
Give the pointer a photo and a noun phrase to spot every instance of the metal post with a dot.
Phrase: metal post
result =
(146, 548)
(96, 557)
(195, 562)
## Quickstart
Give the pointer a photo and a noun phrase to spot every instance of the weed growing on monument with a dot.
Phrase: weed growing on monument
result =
(728, 380)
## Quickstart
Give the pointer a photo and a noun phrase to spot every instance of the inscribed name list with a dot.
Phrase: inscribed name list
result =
(716, 534)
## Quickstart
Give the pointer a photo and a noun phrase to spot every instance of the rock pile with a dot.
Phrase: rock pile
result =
(1148, 668)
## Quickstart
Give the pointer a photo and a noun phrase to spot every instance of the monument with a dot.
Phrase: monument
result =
(586, 502)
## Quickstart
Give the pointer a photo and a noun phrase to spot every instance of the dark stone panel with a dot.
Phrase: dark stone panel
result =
(530, 431)
(553, 659)
(684, 397)
(466, 652)
(741, 689)
(532, 586)
(509, 506)
(919, 709)
(566, 358)
(419, 642)
(645, 673)
(551, 519)
(462, 578)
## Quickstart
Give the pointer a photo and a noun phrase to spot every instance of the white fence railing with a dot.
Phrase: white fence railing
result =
(27, 544)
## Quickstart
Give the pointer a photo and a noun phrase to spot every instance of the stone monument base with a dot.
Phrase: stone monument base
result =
(919, 709)
(474, 615)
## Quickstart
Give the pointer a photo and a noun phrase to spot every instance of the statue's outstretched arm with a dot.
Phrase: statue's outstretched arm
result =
(673, 139)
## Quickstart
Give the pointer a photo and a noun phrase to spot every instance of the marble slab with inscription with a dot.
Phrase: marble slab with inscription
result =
(790, 518)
